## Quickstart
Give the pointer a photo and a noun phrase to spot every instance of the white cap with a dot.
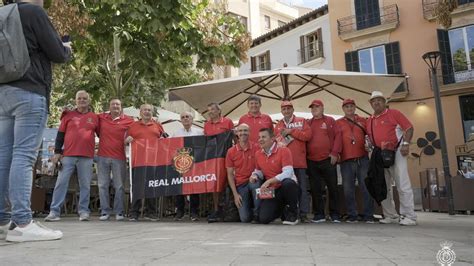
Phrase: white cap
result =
(377, 94)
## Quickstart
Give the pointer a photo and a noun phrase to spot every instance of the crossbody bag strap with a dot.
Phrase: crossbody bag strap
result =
(357, 124)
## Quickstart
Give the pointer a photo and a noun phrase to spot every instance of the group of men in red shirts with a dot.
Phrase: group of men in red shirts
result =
(270, 169)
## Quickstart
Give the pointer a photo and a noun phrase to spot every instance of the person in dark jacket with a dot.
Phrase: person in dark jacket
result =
(23, 115)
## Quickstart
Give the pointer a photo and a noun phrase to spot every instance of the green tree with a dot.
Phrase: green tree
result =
(135, 50)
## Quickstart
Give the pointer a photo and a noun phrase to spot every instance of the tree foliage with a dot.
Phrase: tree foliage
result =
(135, 50)
(442, 12)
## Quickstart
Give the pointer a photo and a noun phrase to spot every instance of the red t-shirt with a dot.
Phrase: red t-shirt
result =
(353, 138)
(112, 134)
(301, 133)
(273, 165)
(256, 123)
(222, 125)
(325, 139)
(79, 129)
(150, 130)
(243, 162)
(384, 129)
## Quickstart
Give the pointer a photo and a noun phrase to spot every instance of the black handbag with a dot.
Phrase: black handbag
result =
(388, 155)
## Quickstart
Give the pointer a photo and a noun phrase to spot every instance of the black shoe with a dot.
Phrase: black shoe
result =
(179, 216)
(335, 219)
(194, 217)
(369, 220)
(351, 219)
(133, 219)
(151, 217)
(213, 217)
(304, 219)
(291, 219)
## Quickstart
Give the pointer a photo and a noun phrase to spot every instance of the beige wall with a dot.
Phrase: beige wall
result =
(416, 36)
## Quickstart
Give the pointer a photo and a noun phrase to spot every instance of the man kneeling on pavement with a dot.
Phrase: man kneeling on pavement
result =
(274, 166)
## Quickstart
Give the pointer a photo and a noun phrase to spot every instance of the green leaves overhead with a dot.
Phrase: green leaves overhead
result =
(135, 50)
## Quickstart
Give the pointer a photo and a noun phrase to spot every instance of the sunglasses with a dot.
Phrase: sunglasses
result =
(185, 116)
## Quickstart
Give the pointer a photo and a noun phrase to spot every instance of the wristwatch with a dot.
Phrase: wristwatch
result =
(405, 143)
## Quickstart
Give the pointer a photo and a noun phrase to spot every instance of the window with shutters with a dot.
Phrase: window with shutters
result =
(260, 62)
(367, 13)
(461, 43)
(372, 60)
(311, 46)
(383, 59)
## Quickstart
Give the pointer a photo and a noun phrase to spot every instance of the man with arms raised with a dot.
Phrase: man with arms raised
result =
(111, 158)
(145, 128)
(74, 148)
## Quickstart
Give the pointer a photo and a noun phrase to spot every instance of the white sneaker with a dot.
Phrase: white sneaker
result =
(407, 221)
(104, 217)
(119, 217)
(33, 232)
(389, 220)
(84, 217)
(52, 217)
(4, 230)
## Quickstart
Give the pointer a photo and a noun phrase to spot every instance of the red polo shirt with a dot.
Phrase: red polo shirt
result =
(256, 123)
(384, 128)
(273, 165)
(301, 132)
(353, 137)
(243, 162)
(112, 134)
(79, 129)
(150, 130)
(325, 139)
(222, 125)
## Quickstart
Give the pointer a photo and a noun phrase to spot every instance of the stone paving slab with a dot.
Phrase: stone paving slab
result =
(186, 243)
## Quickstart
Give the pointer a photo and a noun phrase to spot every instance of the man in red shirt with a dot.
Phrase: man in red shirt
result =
(274, 166)
(254, 119)
(216, 124)
(74, 148)
(145, 128)
(293, 132)
(111, 158)
(390, 129)
(354, 161)
(240, 163)
(323, 152)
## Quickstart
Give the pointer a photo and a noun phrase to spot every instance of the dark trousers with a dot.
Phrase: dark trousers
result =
(323, 173)
(286, 194)
(193, 203)
(151, 207)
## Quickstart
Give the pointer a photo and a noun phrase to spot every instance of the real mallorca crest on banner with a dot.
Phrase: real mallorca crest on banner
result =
(179, 166)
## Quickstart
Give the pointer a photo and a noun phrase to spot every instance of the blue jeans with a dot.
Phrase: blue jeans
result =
(105, 166)
(23, 116)
(249, 200)
(84, 176)
(350, 171)
(303, 183)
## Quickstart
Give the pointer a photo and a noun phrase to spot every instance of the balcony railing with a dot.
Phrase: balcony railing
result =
(428, 8)
(264, 66)
(430, 5)
(457, 76)
(386, 15)
(310, 52)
